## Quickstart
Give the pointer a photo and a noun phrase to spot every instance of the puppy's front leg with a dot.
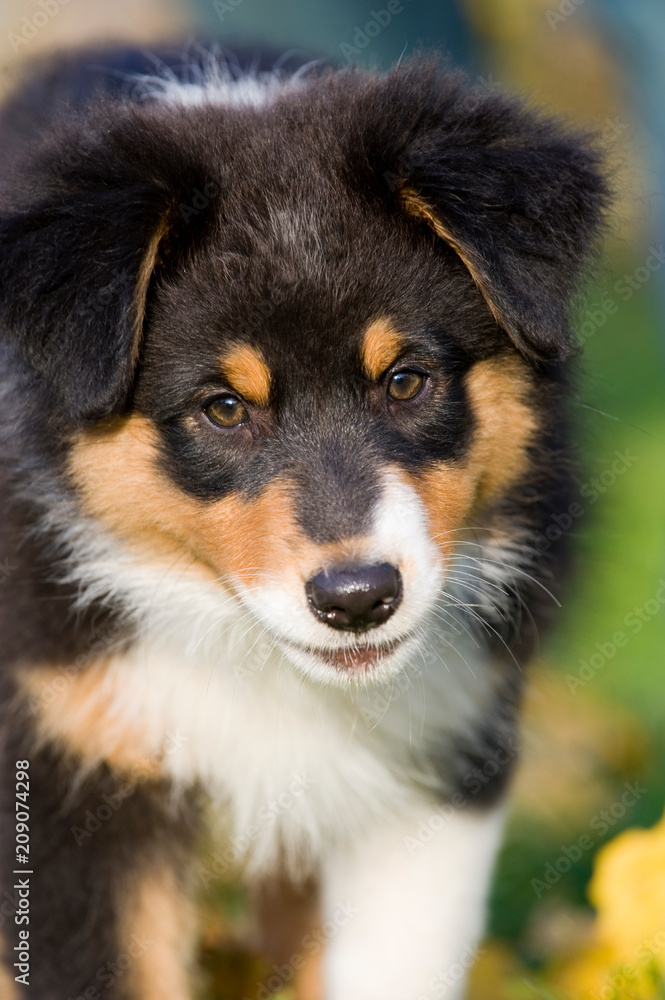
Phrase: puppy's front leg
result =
(405, 907)
(100, 897)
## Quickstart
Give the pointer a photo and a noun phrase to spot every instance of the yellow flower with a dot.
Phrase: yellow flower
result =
(628, 890)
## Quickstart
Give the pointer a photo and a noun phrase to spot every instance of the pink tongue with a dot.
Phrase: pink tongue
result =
(353, 659)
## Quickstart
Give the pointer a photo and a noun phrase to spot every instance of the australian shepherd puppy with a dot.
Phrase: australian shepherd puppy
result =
(282, 424)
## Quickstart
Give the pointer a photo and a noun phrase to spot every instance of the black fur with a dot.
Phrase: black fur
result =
(91, 842)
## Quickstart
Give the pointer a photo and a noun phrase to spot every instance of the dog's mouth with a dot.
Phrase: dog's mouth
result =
(357, 660)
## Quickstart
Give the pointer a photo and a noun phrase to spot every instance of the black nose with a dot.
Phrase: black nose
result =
(355, 598)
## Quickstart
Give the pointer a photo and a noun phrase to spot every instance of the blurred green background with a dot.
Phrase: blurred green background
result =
(596, 708)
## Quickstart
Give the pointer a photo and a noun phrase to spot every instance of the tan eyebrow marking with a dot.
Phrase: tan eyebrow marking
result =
(381, 345)
(247, 373)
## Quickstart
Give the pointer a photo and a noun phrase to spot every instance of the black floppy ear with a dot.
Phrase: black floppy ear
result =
(82, 224)
(518, 197)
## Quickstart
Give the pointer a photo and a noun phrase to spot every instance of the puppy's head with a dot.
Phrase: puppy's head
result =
(302, 343)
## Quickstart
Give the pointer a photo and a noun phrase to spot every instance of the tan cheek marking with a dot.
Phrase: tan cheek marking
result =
(419, 209)
(256, 541)
(75, 709)
(158, 936)
(506, 424)
(235, 538)
(448, 493)
(251, 539)
(248, 373)
(381, 345)
(114, 469)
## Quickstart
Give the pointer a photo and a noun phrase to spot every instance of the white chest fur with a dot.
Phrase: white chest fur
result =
(298, 767)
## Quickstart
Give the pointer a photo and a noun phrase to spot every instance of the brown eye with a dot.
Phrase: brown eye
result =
(227, 411)
(405, 385)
